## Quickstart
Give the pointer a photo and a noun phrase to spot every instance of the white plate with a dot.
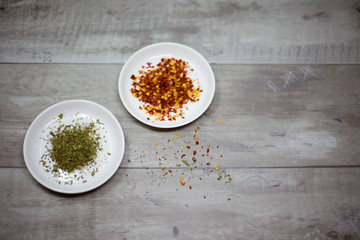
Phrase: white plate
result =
(80, 111)
(202, 73)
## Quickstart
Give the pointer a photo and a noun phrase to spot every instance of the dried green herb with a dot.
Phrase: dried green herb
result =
(185, 162)
(74, 146)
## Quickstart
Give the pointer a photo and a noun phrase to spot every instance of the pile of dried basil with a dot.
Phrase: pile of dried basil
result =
(74, 146)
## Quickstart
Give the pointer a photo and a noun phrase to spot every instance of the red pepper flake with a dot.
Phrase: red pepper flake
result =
(200, 178)
(207, 151)
(194, 135)
(164, 89)
(183, 155)
(202, 147)
(208, 163)
(197, 142)
(195, 152)
(195, 130)
(217, 146)
(190, 169)
(221, 155)
(204, 196)
(170, 171)
(211, 157)
(188, 147)
(190, 187)
(183, 183)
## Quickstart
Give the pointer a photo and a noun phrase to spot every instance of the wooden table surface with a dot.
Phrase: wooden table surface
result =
(287, 93)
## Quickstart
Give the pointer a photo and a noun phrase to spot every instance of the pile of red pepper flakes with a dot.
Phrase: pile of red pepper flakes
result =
(165, 89)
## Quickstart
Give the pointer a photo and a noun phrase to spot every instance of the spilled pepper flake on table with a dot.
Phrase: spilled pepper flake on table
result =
(165, 89)
(192, 163)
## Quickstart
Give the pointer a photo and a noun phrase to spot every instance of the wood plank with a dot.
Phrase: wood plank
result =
(247, 31)
(264, 204)
(311, 121)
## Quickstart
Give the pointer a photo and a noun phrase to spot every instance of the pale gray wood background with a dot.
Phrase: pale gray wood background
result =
(247, 31)
(291, 148)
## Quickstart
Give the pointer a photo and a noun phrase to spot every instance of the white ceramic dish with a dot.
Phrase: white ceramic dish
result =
(153, 54)
(80, 111)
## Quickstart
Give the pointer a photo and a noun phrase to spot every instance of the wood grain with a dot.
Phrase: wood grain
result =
(258, 204)
(314, 122)
(287, 94)
(281, 31)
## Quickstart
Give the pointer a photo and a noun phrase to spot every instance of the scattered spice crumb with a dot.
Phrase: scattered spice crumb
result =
(185, 162)
(220, 121)
(192, 155)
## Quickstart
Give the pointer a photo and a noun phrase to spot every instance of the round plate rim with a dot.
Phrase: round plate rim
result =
(39, 116)
(174, 124)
